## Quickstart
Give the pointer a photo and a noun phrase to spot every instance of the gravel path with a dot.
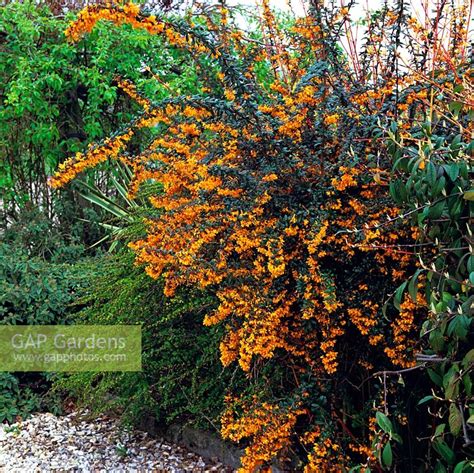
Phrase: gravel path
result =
(45, 443)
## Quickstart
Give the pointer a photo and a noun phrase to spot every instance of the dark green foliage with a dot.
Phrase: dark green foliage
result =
(15, 401)
(37, 237)
(433, 178)
(36, 292)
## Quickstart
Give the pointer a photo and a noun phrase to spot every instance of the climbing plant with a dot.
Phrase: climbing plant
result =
(56, 96)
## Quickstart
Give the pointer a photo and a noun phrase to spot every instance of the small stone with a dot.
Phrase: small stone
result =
(47, 443)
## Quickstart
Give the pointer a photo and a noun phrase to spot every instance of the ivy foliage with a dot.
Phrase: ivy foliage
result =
(15, 401)
(35, 291)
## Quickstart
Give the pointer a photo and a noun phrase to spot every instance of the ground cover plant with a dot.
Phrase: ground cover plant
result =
(320, 191)
(182, 380)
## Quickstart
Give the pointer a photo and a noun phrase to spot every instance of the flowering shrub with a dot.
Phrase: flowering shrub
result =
(277, 198)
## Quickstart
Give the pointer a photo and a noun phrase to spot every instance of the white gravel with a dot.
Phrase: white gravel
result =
(47, 443)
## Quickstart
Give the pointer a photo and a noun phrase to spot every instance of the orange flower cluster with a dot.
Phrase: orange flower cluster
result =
(325, 456)
(403, 332)
(95, 155)
(111, 149)
(270, 426)
(131, 91)
(130, 12)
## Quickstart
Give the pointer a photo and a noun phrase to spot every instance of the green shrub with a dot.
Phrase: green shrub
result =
(433, 179)
(182, 378)
(15, 401)
(34, 291)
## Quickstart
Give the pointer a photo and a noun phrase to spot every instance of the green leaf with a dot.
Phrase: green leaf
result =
(431, 173)
(398, 191)
(444, 451)
(470, 146)
(452, 390)
(455, 207)
(399, 294)
(440, 185)
(470, 264)
(439, 430)
(413, 285)
(459, 326)
(468, 358)
(456, 142)
(387, 455)
(459, 468)
(435, 377)
(384, 422)
(467, 381)
(451, 383)
(436, 340)
(425, 399)
(452, 170)
(440, 468)
(455, 108)
(397, 438)
(435, 211)
(469, 195)
(455, 420)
